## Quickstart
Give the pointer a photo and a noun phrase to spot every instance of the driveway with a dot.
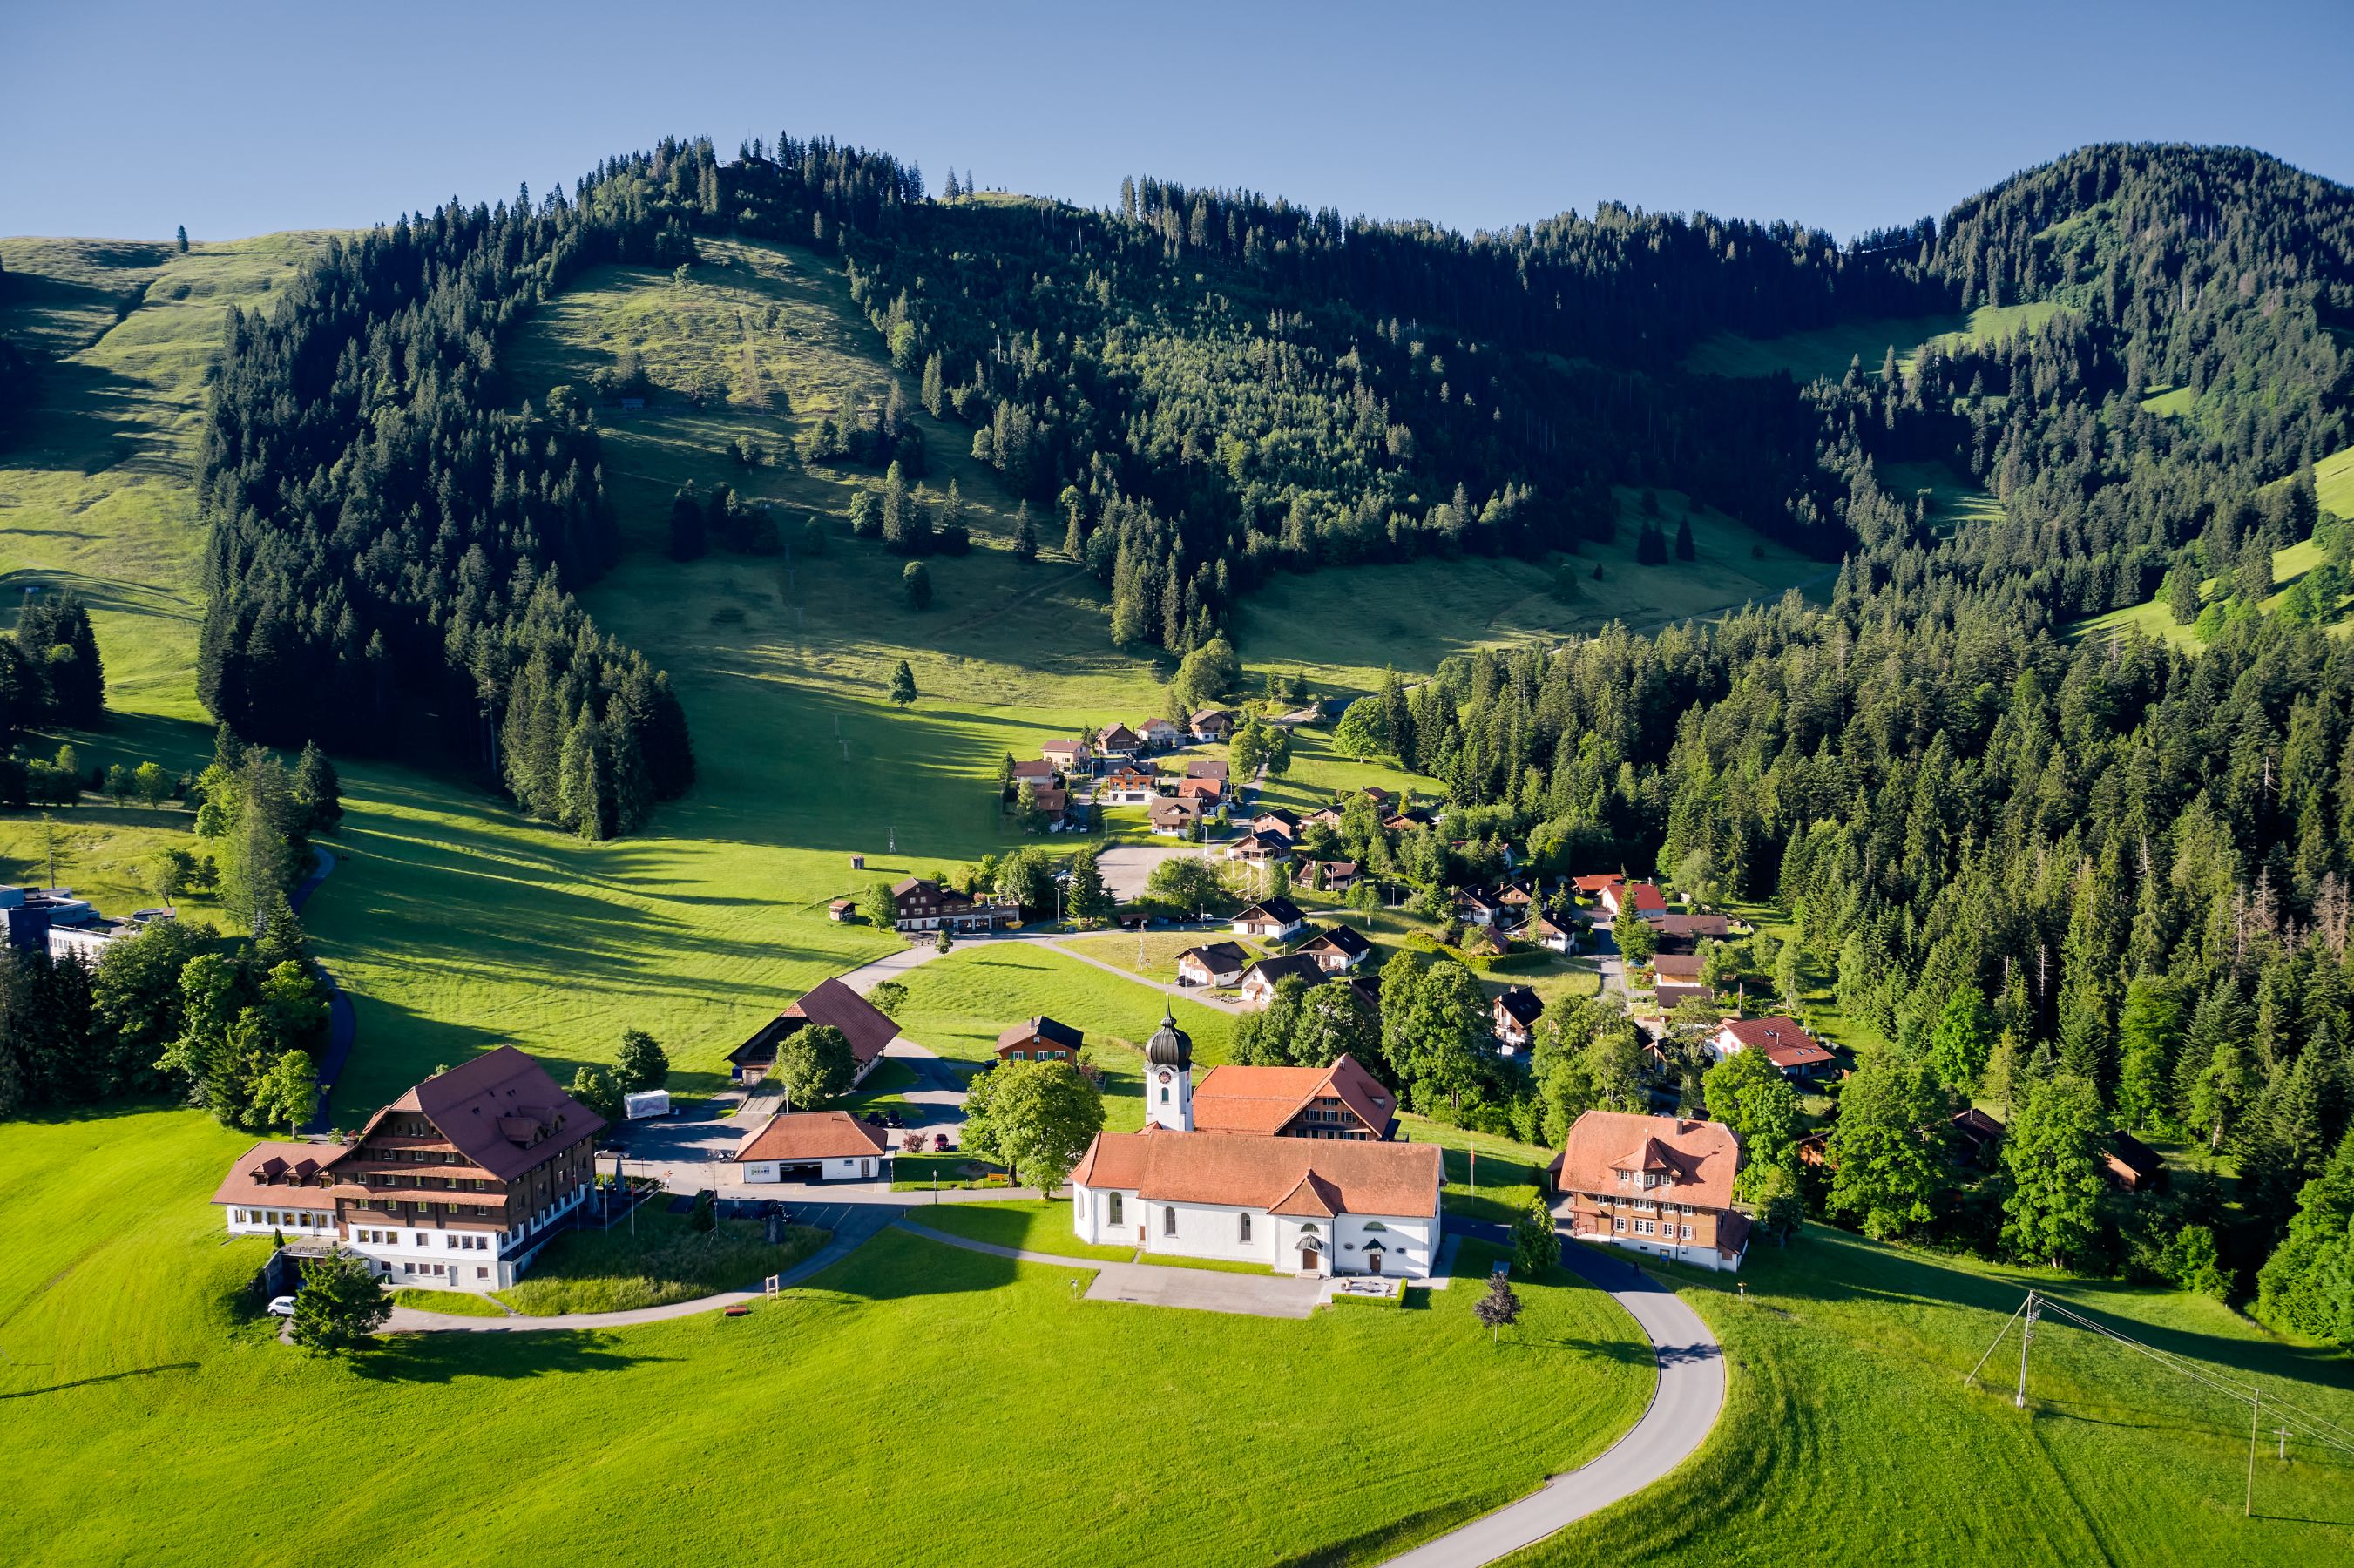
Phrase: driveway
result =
(1154, 1284)
(1685, 1403)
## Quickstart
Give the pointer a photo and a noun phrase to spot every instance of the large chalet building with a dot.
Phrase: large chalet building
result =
(456, 1185)
(922, 905)
(1341, 1101)
(1656, 1184)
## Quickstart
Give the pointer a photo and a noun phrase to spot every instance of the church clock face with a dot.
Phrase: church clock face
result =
(1164, 1074)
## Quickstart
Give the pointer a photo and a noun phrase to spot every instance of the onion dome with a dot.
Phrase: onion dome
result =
(1170, 1045)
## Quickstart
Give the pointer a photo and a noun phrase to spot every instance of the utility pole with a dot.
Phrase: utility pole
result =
(2248, 1505)
(2026, 1332)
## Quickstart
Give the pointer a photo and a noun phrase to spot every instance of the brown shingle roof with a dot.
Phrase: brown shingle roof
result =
(866, 1026)
(811, 1135)
(1262, 1099)
(501, 1110)
(1345, 940)
(1785, 1044)
(1703, 1155)
(1051, 1031)
(266, 1175)
(1399, 1178)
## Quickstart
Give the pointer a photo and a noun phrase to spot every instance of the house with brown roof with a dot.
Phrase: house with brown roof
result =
(1037, 770)
(1790, 1048)
(1276, 820)
(1306, 1205)
(1683, 968)
(1259, 848)
(1656, 1184)
(1329, 875)
(1206, 768)
(1213, 724)
(1172, 817)
(1342, 1101)
(813, 1146)
(282, 1189)
(1219, 963)
(1554, 933)
(1667, 995)
(866, 1026)
(1160, 734)
(1513, 1018)
(456, 1185)
(1072, 756)
(924, 905)
(1683, 933)
(1119, 744)
(1040, 1039)
(1203, 792)
(1336, 948)
(1591, 887)
(1270, 919)
(1260, 980)
(2130, 1163)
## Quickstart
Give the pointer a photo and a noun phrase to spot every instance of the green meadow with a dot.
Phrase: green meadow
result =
(891, 1387)
(1827, 353)
(1850, 1435)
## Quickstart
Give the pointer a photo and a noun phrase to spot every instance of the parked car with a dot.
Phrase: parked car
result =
(892, 1119)
(281, 1306)
(940, 1143)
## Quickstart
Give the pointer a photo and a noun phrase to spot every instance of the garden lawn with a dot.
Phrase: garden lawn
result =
(1849, 1438)
(1038, 1225)
(1496, 1185)
(166, 1414)
(663, 1259)
(456, 1303)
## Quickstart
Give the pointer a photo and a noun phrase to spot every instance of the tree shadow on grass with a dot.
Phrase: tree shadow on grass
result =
(103, 1377)
(440, 1358)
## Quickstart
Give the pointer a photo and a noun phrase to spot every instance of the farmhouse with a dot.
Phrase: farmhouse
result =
(1260, 979)
(1643, 899)
(456, 1185)
(1213, 724)
(1514, 1018)
(1336, 948)
(1329, 816)
(1657, 1185)
(2131, 1163)
(867, 1028)
(1040, 1039)
(1053, 805)
(1270, 919)
(1316, 1205)
(924, 905)
(1341, 1101)
(1119, 744)
(1220, 963)
(1276, 820)
(813, 1146)
(1787, 1047)
(1068, 756)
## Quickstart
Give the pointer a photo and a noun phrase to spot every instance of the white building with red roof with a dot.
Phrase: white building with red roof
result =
(815, 1145)
(1210, 1177)
(1795, 1053)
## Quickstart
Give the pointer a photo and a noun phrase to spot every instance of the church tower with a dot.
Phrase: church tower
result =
(1169, 1076)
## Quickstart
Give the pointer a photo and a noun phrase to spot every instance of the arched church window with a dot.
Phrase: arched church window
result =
(1375, 1226)
(1169, 1222)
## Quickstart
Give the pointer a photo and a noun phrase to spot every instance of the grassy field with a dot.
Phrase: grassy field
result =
(1954, 501)
(1343, 628)
(2333, 484)
(660, 1260)
(454, 1303)
(1849, 1437)
(124, 1336)
(1027, 1225)
(1827, 352)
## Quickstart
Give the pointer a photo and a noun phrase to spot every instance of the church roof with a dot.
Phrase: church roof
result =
(1170, 1045)
(1275, 1175)
(1264, 1099)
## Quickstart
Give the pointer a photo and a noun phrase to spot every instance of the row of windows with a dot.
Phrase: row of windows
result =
(1651, 1228)
(438, 1269)
(452, 1240)
(301, 1219)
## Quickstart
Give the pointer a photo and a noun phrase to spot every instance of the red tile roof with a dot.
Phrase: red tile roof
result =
(1401, 1179)
(1262, 1099)
(1703, 1156)
(811, 1135)
(1785, 1044)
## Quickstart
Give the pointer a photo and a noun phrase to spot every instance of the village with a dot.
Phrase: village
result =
(1308, 1170)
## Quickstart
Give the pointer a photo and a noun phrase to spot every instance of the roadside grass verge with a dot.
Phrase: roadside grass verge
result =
(1024, 1224)
(665, 1261)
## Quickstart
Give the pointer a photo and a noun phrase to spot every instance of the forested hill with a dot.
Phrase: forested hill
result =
(1207, 386)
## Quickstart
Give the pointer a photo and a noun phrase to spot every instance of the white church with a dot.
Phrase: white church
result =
(1296, 1204)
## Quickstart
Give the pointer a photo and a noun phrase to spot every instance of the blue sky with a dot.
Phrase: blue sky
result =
(123, 119)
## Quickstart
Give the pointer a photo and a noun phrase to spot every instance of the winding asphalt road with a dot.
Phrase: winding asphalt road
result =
(1685, 1403)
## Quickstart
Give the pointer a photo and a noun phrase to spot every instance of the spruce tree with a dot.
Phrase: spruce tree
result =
(903, 679)
(1025, 536)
